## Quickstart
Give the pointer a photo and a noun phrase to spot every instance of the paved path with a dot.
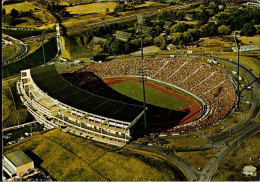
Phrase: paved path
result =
(238, 133)
(189, 171)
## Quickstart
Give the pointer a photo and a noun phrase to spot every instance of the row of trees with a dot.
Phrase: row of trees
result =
(9, 18)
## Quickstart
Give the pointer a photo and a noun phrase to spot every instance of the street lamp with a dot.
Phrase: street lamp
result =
(140, 23)
(42, 39)
(238, 93)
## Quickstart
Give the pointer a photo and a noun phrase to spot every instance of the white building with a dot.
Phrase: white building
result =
(249, 171)
(17, 162)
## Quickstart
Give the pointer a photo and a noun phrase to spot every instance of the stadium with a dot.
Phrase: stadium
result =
(102, 101)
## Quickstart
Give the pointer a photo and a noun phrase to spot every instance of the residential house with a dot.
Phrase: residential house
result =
(123, 35)
(145, 29)
(249, 170)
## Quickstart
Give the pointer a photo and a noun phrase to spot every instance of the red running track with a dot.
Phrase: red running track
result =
(193, 107)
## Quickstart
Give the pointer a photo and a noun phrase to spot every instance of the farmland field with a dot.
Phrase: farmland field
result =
(92, 8)
(68, 157)
(22, 6)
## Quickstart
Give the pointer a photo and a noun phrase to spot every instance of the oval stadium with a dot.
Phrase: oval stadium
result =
(104, 101)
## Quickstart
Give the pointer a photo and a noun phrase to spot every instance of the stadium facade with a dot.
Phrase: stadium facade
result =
(55, 102)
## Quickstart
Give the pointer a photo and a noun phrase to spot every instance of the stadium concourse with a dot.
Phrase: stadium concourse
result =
(55, 102)
(210, 85)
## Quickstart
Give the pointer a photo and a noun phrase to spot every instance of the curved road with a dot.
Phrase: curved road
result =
(239, 133)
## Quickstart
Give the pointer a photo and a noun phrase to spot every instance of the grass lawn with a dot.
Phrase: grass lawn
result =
(191, 140)
(150, 50)
(33, 45)
(231, 167)
(68, 158)
(246, 40)
(189, 22)
(22, 6)
(11, 114)
(198, 159)
(10, 51)
(250, 62)
(92, 8)
(134, 90)
(215, 129)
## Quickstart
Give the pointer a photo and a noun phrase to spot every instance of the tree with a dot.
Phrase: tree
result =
(3, 12)
(64, 14)
(160, 42)
(187, 37)
(148, 41)
(248, 29)
(180, 15)
(97, 50)
(179, 27)
(223, 30)
(14, 13)
(7, 19)
(176, 37)
(107, 10)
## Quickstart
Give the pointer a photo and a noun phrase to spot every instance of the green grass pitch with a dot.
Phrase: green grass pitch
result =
(133, 90)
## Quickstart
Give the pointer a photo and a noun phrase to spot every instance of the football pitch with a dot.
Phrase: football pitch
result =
(134, 90)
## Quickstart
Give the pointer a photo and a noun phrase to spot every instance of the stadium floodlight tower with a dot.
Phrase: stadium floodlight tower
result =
(42, 39)
(140, 23)
(142, 69)
(238, 93)
(143, 79)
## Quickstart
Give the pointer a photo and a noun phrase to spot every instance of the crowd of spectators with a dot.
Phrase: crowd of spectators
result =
(206, 82)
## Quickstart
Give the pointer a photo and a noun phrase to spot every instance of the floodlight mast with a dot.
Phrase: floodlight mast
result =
(238, 93)
(140, 23)
(42, 39)
(142, 70)
(143, 79)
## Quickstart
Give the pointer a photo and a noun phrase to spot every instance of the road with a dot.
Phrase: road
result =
(189, 171)
(239, 133)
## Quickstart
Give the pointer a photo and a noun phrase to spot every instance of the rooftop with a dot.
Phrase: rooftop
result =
(18, 158)
(52, 83)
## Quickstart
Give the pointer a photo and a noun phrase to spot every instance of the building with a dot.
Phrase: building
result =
(170, 47)
(249, 170)
(145, 29)
(246, 48)
(98, 39)
(55, 102)
(251, 4)
(123, 35)
(188, 17)
(17, 162)
(167, 24)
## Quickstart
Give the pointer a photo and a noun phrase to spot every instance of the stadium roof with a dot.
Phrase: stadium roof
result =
(52, 83)
(18, 158)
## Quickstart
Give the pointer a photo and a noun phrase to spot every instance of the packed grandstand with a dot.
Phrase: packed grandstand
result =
(57, 102)
(207, 83)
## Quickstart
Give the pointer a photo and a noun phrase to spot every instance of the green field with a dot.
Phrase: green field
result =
(133, 90)
(22, 6)
(10, 51)
(230, 169)
(12, 110)
(67, 158)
